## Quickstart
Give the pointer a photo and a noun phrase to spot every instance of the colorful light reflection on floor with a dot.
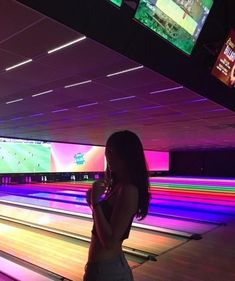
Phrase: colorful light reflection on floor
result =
(203, 200)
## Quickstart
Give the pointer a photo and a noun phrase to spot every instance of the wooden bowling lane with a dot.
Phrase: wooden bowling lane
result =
(155, 242)
(180, 224)
(46, 250)
(59, 254)
(208, 259)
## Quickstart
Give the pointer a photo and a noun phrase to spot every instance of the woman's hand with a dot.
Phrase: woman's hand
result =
(98, 188)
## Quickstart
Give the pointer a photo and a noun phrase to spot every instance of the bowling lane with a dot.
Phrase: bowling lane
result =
(178, 224)
(156, 243)
(186, 201)
(65, 206)
(223, 199)
(219, 195)
(180, 195)
(211, 212)
(202, 207)
(194, 181)
(155, 206)
(47, 250)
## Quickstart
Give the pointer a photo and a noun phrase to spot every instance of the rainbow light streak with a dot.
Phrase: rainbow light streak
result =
(188, 199)
(197, 194)
(202, 188)
(183, 180)
(175, 203)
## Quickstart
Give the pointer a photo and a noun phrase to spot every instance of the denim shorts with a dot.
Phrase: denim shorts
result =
(116, 269)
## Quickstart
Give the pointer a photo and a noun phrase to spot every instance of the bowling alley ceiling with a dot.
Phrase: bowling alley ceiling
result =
(83, 92)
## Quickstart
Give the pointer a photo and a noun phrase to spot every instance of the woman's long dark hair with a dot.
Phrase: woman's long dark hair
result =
(130, 150)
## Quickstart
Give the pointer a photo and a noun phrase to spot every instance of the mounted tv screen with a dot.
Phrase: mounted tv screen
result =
(224, 67)
(178, 21)
(116, 2)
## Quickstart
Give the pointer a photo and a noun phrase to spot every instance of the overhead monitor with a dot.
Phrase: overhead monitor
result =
(116, 2)
(178, 21)
(224, 67)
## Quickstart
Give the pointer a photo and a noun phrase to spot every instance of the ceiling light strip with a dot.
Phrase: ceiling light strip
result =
(124, 71)
(124, 98)
(197, 100)
(216, 110)
(36, 114)
(66, 45)
(150, 107)
(13, 101)
(16, 118)
(77, 84)
(167, 90)
(19, 64)
(59, 110)
(42, 93)
(86, 105)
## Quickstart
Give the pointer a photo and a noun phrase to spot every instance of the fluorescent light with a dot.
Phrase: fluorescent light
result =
(166, 90)
(150, 107)
(59, 110)
(16, 118)
(42, 93)
(216, 110)
(197, 100)
(19, 64)
(66, 45)
(124, 71)
(119, 112)
(76, 84)
(124, 98)
(12, 101)
(37, 114)
(88, 104)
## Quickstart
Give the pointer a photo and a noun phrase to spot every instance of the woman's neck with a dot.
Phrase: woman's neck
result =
(122, 178)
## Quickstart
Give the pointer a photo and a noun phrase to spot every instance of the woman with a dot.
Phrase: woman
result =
(125, 190)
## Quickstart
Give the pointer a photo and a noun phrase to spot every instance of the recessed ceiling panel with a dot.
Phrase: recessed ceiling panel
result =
(14, 18)
(40, 38)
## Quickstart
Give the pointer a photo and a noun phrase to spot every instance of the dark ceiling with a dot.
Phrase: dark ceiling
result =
(116, 29)
(171, 101)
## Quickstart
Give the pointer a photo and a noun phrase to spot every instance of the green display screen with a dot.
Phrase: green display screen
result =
(178, 21)
(116, 2)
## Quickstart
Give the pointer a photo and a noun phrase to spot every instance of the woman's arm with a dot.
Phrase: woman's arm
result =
(103, 228)
(125, 207)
